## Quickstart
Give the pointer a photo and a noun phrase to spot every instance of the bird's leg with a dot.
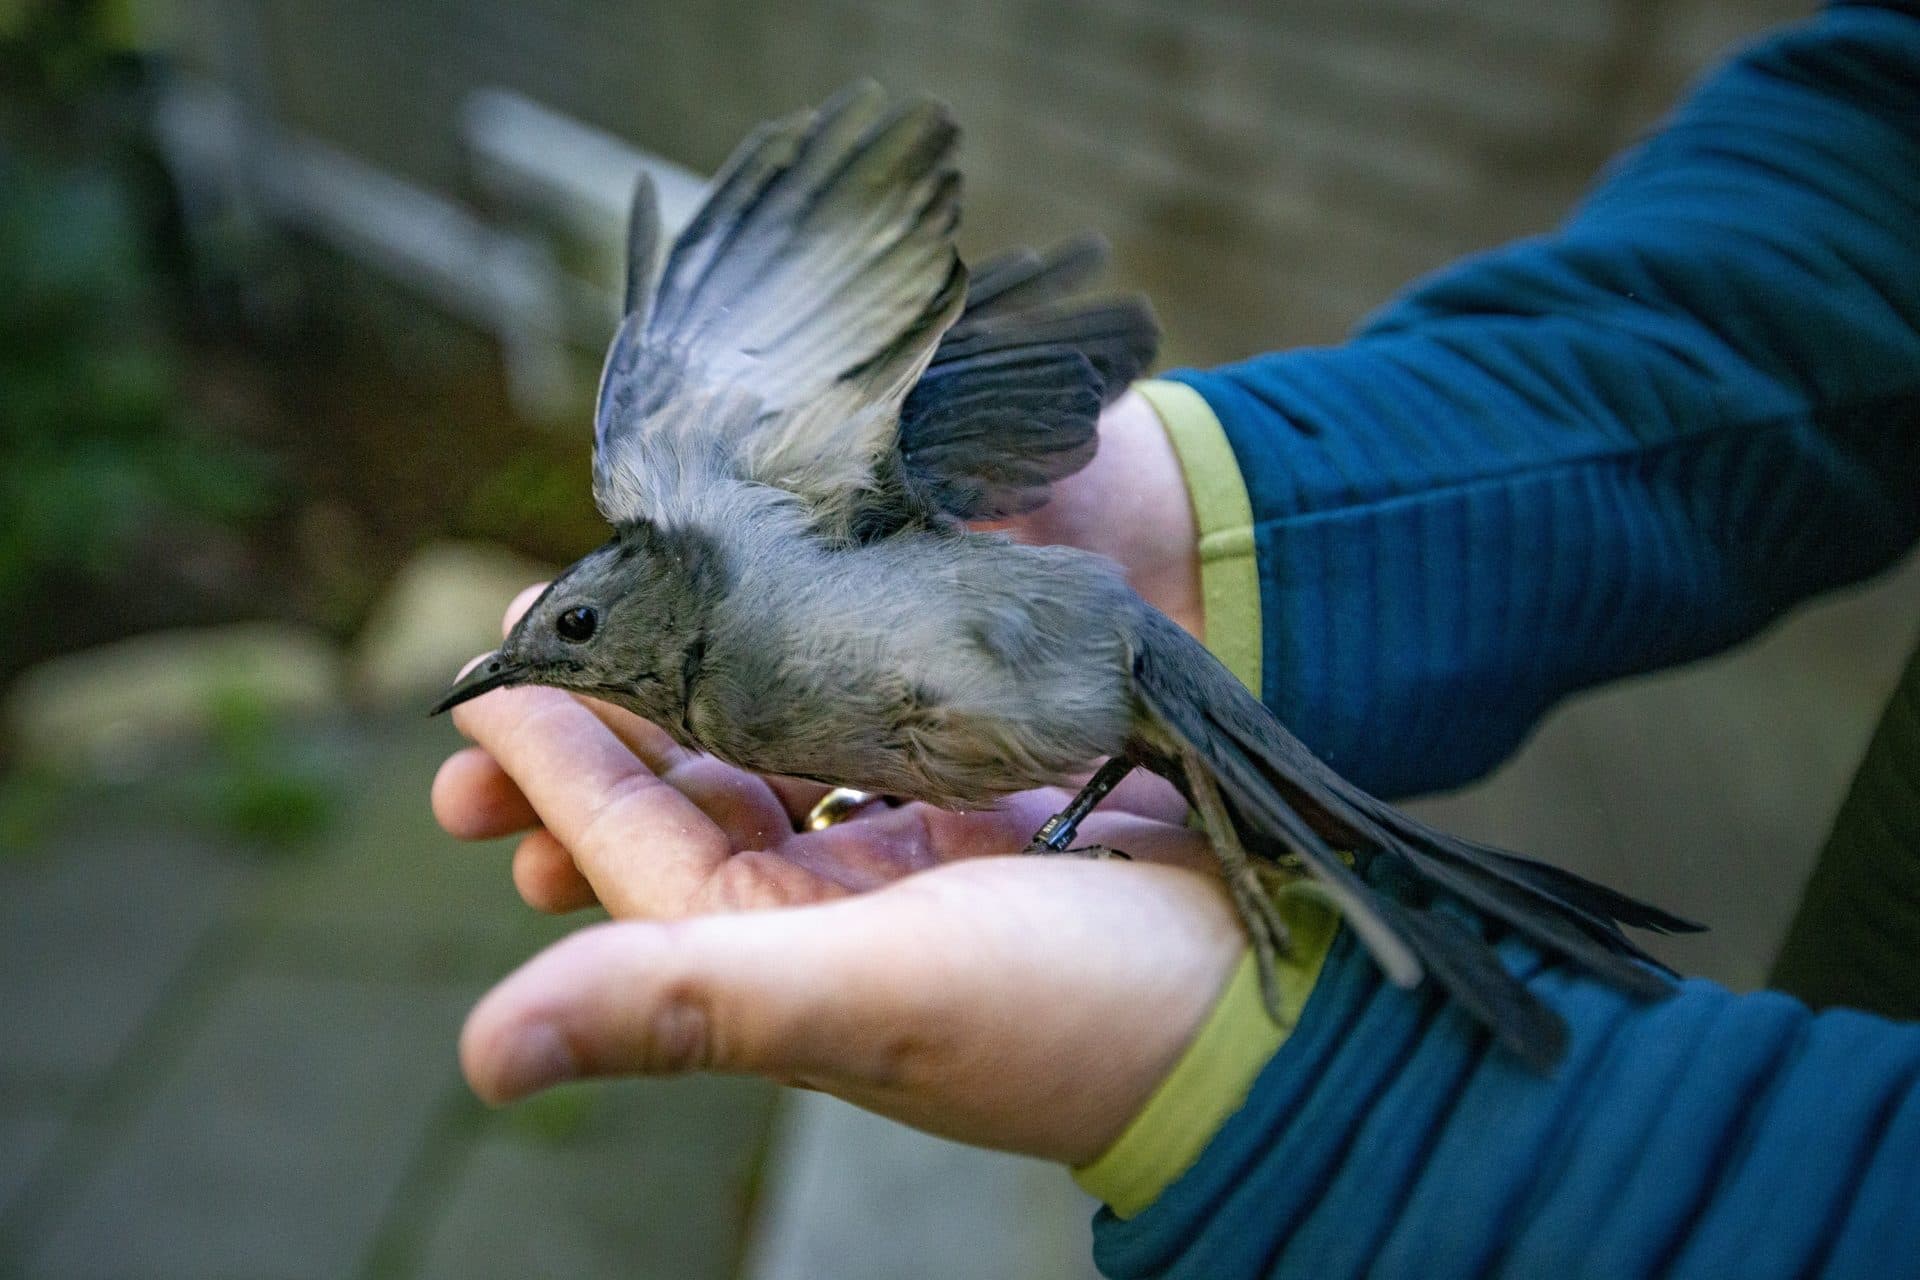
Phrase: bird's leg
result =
(1056, 836)
(1245, 882)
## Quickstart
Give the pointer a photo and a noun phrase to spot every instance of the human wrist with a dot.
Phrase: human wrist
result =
(1227, 572)
(1131, 504)
(1217, 1070)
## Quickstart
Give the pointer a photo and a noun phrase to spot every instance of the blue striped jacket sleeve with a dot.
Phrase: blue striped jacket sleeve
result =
(1711, 1135)
(1621, 445)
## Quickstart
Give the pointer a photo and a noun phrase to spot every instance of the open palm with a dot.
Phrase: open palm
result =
(1027, 1003)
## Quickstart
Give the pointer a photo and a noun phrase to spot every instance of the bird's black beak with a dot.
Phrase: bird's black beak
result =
(491, 672)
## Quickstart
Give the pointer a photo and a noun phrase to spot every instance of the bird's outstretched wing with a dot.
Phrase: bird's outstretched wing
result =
(792, 315)
(1286, 802)
(813, 329)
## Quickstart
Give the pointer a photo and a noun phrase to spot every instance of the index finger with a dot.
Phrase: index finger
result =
(593, 794)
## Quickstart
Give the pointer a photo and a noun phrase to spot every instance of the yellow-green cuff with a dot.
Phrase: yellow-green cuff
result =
(1214, 1075)
(1229, 572)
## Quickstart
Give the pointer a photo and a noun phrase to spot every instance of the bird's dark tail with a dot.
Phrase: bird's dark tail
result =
(1286, 803)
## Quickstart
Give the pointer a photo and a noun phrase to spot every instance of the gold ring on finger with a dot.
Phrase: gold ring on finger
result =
(836, 807)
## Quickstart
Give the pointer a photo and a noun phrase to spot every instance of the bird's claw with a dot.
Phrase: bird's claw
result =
(1099, 852)
(1252, 890)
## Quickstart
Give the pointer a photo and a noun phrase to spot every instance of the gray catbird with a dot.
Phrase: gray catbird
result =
(796, 419)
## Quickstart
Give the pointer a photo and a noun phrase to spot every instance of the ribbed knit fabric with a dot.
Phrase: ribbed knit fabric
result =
(1711, 1135)
(1217, 1070)
(1608, 449)
(1612, 448)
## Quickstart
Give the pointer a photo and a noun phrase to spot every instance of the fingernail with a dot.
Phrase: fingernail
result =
(537, 1059)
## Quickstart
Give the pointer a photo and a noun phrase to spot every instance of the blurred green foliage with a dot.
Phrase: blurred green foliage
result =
(556, 1117)
(528, 496)
(253, 790)
(244, 776)
(94, 444)
(29, 802)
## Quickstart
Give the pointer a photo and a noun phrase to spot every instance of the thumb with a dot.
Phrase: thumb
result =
(750, 992)
(1007, 1002)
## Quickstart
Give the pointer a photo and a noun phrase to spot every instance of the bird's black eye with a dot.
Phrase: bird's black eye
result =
(576, 625)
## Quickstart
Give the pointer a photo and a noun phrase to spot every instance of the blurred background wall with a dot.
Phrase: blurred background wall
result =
(1269, 171)
(301, 307)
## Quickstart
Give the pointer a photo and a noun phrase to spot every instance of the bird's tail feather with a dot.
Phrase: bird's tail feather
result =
(1540, 895)
(1286, 801)
(1461, 962)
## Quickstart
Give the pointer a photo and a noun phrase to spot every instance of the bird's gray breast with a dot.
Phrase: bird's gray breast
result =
(948, 669)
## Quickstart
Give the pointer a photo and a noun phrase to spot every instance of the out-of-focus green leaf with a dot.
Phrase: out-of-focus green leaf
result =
(95, 446)
(555, 1117)
(28, 804)
(272, 808)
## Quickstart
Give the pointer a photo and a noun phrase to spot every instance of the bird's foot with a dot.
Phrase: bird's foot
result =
(1252, 888)
(1099, 852)
(1277, 875)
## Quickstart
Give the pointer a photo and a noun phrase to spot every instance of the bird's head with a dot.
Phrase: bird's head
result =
(624, 623)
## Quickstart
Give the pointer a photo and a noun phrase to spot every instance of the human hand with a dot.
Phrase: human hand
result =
(1027, 1003)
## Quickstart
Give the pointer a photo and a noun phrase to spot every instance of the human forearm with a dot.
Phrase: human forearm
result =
(1711, 1134)
(1616, 447)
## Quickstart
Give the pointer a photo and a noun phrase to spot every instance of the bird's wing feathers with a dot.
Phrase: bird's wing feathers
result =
(1022, 279)
(1011, 400)
(643, 246)
(994, 430)
(793, 314)
(1293, 803)
(812, 326)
